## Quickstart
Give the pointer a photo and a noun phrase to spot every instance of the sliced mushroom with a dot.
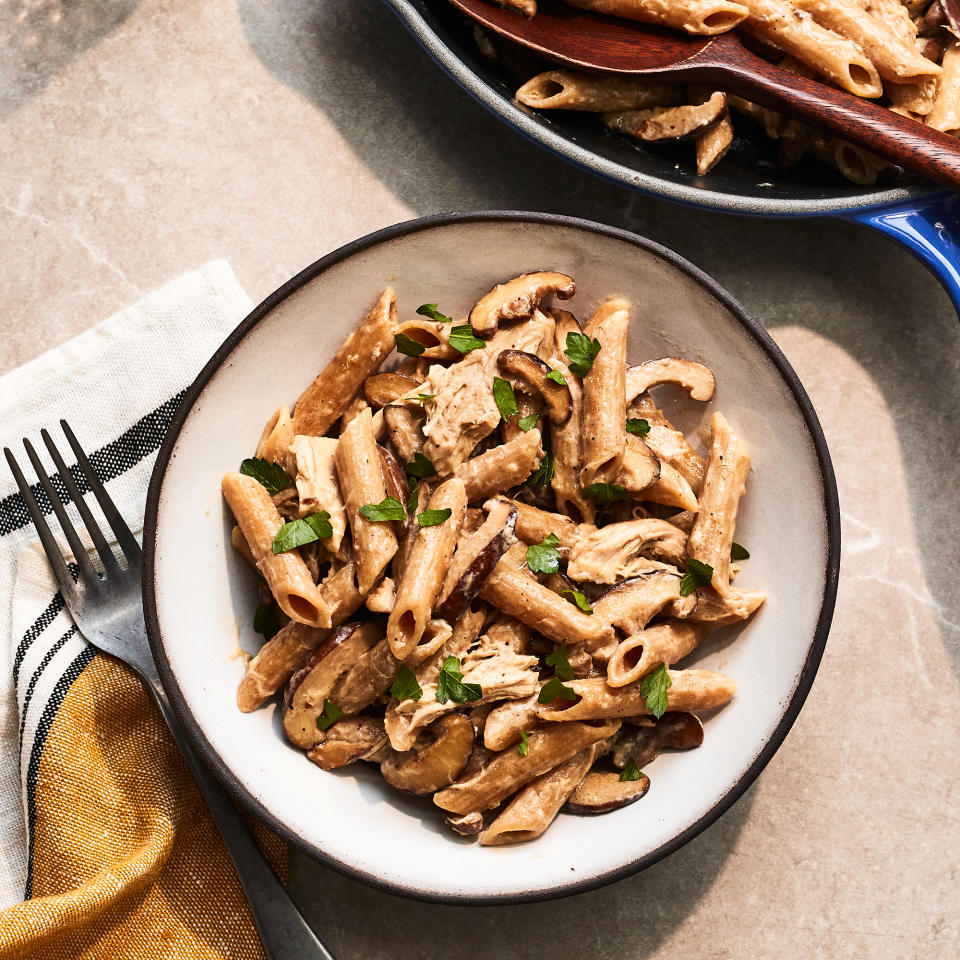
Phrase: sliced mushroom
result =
(436, 765)
(517, 298)
(466, 824)
(668, 443)
(674, 730)
(394, 476)
(404, 430)
(357, 738)
(314, 681)
(601, 791)
(669, 123)
(695, 378)
(475, 558)
(530, 368)
(631, 605)
(381, 389)
(639, 468)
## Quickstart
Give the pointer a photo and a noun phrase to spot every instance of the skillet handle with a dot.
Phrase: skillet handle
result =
(930, 230)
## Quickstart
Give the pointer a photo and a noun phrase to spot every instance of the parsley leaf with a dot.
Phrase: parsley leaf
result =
(268, 474)
(407, 345)
(739, 552)
(698, 575)
(390, 508)
(305, 530)
(543, 557)
(505, 398)
(450, 685)
(581, 351)
(604, 494)
(462, 339)
(421, 398)
(528, 423)
(580, 600)
(630, 771)
(560, 662)
(430, 518)
(554, 688)
(639, 426)
(430, 310)
(413, 501)
(265, 620)
(654, 688)
(523, 747)
(557, 377)
(405, 685)
(421, 466)
(542, 476)
(331, 714)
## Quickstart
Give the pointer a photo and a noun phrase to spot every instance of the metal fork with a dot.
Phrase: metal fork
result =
(108, 610)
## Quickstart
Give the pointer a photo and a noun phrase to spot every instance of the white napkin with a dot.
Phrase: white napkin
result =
(118, 385)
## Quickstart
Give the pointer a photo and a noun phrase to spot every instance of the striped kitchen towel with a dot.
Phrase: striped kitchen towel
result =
(106, 849)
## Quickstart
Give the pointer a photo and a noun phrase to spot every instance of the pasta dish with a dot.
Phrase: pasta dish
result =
(481, 559)
(904, 53)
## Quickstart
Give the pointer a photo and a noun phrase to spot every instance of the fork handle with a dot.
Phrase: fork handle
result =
(283, 931)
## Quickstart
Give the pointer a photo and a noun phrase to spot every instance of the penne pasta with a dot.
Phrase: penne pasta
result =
(706, 17)
(711, 538)
(597, 700)
(361, 480)
(501, 467)
(569, 90)
(642, 653)
(431, 555)
(322, 403)
(286, 573)
(945, 115)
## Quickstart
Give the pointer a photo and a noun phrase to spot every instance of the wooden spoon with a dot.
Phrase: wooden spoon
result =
(589, 41)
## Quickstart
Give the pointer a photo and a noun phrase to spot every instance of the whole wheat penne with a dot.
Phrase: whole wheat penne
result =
(570, 90)
(403, 428)
(317, 487)
(642, 653)
(432, 335)
(597, 700)
(508, 771)
(362, 352)
(797, 33)
(894, 58)
(711, 538)
(277, 659)
(286, 573)
(535, 525)
(945, 115)
(604, 403)
(514, 592)
(704, 17)
(275, 440)
(239, 543)
(532, 810)
(361, 482)
(630, 605)
(431, 555)
(712, 146)
(501, 467)
(506, 721)
(670, 123)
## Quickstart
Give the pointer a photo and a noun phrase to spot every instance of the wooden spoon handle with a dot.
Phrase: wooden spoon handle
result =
(906, 142)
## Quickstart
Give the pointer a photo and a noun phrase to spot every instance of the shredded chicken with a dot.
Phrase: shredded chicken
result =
(317, 484)
(619, 551)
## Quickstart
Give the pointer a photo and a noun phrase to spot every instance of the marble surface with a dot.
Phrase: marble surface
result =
(141, 139)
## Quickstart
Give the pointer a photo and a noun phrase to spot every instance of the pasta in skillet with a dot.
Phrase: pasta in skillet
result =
(482, 560)
(905, 52)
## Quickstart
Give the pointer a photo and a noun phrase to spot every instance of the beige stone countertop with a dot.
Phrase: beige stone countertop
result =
(141, 139)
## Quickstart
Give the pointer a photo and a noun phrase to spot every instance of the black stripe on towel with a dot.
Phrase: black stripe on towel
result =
(110, 461)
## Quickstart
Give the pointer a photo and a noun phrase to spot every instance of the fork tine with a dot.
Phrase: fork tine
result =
(87, 570)
(93, 527)
(128, 543)
(60, 570)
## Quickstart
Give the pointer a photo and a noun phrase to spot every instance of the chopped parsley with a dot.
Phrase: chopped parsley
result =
(269, 475)
(557, 377)
(431, 518)
(505, 398)
(698, 575)
(605, 495)
(450, 685)
(653, 689)
(462, 339)
(528, 423)
(581, 351)
(421, 466)
(305, 530)
(430, 310)
(413, 501)
(265, 620)
(560, 662)
(580, 600)
(523, 747)
(543, 474)
(639, 426)
(331, 714)
(630, 771)
(543, 557)
(405, 685)
(739, 552)
(554, 688)
(390, 508)
(407, 345)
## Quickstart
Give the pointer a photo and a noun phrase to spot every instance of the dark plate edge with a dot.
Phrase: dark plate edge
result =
(807, 674)
(740, 204)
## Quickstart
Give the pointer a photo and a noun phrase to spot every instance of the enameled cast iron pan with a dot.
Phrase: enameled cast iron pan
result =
(924, 219)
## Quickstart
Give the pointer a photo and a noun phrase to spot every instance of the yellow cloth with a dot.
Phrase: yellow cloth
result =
(127, 862)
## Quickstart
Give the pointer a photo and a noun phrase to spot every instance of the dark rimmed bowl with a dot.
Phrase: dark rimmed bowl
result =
(199, 596)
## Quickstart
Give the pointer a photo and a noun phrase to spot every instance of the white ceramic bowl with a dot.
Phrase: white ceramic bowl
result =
(199, 595)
